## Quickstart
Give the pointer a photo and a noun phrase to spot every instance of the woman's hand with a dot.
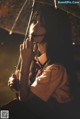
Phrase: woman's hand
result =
(26, 51)
(26, 55)
(13, 81)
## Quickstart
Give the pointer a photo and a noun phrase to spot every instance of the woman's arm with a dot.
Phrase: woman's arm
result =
(19, 81)
(26, 54)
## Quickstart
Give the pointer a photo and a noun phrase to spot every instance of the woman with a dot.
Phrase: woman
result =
(46, 81)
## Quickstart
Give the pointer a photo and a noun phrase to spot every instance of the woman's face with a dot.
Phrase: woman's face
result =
(36, 34)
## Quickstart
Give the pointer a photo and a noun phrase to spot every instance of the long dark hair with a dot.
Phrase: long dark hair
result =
(58, 37)
(59, 40)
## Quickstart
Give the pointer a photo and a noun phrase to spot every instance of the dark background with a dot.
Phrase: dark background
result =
(9, 54)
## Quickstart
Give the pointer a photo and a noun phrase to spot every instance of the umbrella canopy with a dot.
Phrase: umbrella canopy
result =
(15, 14)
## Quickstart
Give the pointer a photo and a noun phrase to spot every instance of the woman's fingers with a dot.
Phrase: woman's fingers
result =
(13, 83)
(26, 51)
(35, 47)
(26, 44)
(21, 47)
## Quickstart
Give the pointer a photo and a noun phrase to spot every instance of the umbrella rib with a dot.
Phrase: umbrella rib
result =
(69, 13)
(18, 17)
(29, 19)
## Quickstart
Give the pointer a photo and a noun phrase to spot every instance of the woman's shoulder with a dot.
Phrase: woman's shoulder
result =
(55, 67)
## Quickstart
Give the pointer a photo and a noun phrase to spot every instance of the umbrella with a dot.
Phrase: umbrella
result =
(15, 14)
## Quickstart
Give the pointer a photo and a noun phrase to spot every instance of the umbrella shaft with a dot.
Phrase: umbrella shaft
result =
(26, 34)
